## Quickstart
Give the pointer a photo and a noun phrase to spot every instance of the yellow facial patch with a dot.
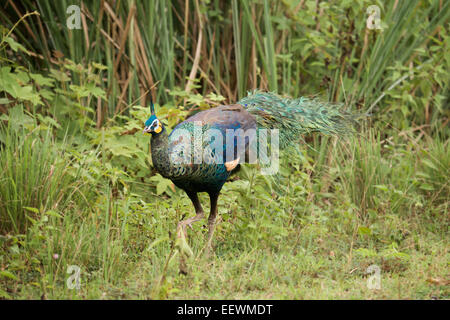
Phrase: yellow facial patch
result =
(158, 130)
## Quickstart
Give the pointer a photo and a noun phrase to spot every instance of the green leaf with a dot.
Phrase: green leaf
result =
(53, 214)
(366, 253)
(15, 46)
(215, 97)
(7, 274)
(99, 66)
(59, 75)
(381, 187)
(426, 186)
(31, 209)
(161, 184)
(5, 101)
(41, 80)
(364, 230)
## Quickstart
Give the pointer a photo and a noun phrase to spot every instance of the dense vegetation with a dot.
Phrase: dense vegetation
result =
(76, 180)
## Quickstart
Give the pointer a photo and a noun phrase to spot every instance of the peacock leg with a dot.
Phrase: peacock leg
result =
(198, 216)
(212, 219)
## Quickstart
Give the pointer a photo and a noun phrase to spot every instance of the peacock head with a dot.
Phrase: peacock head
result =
(153, 125)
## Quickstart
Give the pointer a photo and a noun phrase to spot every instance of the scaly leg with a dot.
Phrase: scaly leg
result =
(212, 220)
(182, 244)
(198, 216)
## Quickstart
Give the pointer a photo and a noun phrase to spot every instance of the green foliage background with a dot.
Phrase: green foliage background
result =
(77, 184)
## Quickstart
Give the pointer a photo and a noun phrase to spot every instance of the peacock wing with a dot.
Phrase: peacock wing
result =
(214, 124)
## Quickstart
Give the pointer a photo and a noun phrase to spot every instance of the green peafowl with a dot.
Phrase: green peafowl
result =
(207, 168)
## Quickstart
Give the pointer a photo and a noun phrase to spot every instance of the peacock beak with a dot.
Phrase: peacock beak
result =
(147, 129)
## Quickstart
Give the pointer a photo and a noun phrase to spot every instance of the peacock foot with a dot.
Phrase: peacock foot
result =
(188, 223)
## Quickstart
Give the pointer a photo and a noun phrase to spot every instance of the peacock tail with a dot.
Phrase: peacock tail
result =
(296, 117)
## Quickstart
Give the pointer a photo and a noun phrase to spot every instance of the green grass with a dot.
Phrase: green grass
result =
(77, 186)
(278, 239)
(33, 175)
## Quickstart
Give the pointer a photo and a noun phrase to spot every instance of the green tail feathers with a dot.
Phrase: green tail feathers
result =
(295, 117)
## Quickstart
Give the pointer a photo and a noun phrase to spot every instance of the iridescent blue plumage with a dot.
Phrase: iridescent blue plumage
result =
(211, 173)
